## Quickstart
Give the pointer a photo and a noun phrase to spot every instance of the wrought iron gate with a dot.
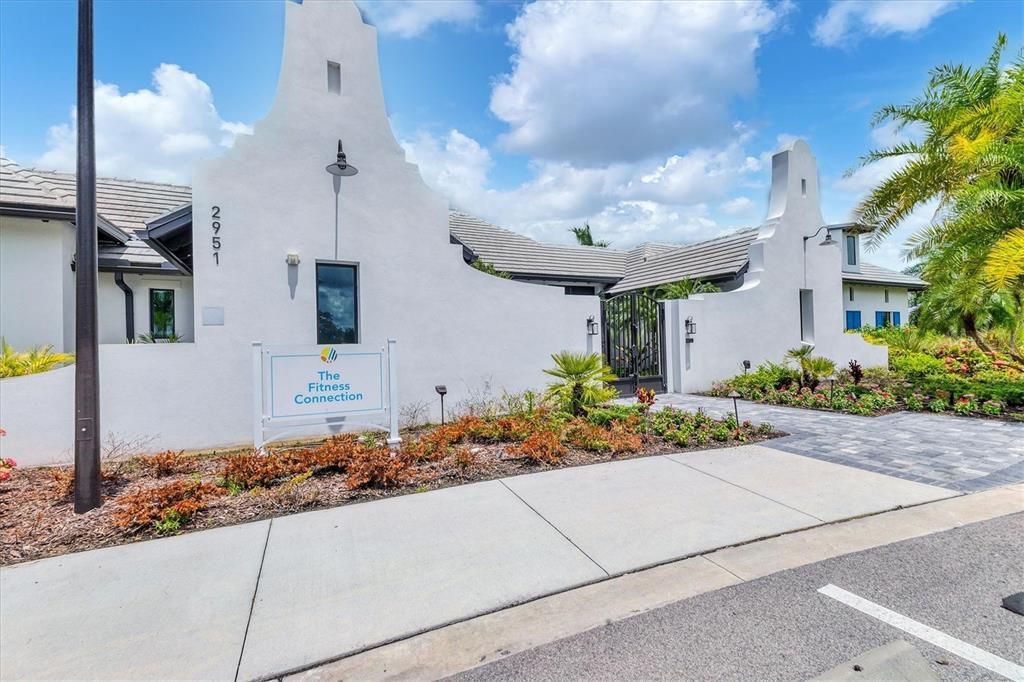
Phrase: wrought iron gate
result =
(631, 338)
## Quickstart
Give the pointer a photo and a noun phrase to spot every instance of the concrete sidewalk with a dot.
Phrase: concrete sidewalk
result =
(262, 599)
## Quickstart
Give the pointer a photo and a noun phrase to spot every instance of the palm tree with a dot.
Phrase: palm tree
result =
(583, 381)
(34, 361)
(584, 238)
(683, 288)
(970, 160)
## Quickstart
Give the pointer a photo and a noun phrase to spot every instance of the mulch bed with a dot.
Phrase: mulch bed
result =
(37, 518)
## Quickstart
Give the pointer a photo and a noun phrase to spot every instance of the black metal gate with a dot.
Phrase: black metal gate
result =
(631, 331)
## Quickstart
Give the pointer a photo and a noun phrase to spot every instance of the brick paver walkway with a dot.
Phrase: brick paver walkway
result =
(959, 453)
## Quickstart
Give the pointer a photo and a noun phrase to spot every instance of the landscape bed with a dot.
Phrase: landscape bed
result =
(168, 493)
(926, 373)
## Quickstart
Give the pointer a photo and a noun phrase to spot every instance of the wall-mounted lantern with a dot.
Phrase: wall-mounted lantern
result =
(592, 326)
(691, 329)
(341, 168)
(292, 258)
(746, 366)
(441, 389)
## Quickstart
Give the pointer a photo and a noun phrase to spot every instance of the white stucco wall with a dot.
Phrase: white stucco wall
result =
(35, 271)
(760, 320)
(112, 302)
(454, 325)
(869, 299)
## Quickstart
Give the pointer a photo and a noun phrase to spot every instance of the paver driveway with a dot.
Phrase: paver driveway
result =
(958, 453)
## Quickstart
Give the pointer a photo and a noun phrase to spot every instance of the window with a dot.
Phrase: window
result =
(161, 313)
(851, 250)
(803, 187)
(886, 293)
(896, 318)
(851, 293)
(883, 318)
(337, 303)
(853, 319)
(334, 77)
(807, 315)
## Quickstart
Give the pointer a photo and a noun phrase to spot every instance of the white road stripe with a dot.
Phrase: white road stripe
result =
(1000, 666)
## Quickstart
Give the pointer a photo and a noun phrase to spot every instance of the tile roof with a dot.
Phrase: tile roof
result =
(716, 258)
(519, 255)
(873, 274)
(22, 186)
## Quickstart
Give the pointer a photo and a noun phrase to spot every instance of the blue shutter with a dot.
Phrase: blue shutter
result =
(896, 318)
(879, 318)
(853, 319)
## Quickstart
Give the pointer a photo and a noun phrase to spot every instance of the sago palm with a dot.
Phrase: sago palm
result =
(582, 381)
(683, 288)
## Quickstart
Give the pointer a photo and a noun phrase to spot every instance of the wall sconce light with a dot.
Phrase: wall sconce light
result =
(592, 326)
(441, 389)
(746, 366)
(291, 258)
(691, 329)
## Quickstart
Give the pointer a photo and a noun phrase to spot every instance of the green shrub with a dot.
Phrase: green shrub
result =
(39, 359)
(992, 407)
(917, 366)
(937, 405)
(914, 401)
(604, 416)
(583, 382)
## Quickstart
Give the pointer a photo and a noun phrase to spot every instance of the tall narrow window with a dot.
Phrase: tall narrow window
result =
(851, 250)
(803, 187)
(161, 313)
(851, 293)
(886, 295)
(334, 77)
(807, 315)
(337, 303)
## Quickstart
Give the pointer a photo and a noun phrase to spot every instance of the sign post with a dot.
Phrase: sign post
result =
(333, 387)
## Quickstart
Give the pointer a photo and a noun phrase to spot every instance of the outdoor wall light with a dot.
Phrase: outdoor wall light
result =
(592, 326)
(691, 329)
(746, 366)
(735, 406)
(441, 390)
(342, 167)
(291, 258)
(827, 241)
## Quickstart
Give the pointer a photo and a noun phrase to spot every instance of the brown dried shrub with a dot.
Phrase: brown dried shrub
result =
(463, 458)
(164, 463)
(582, 434)
(378, 468)
(251, 469)
(622, 437)
(170, 504)
(542, 446)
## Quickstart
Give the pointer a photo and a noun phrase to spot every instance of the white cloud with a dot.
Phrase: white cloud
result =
(603, 82)
(148, 134)
(410, 18)
(624, 202)
(846, 21)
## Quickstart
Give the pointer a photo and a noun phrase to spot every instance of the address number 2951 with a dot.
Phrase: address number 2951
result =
(215, 239)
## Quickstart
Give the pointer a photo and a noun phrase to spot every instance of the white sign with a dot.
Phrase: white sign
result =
(325, 380)
(301, 386)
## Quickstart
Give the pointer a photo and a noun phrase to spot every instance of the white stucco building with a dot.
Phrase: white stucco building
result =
(268, 246)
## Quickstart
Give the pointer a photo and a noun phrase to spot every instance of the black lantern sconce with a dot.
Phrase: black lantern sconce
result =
(441, 390)
(592, 326)
(691, 329)
(746, 366)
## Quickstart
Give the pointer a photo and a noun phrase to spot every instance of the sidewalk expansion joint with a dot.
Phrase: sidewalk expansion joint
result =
(752, 492)
(252, 603)
(557, 529)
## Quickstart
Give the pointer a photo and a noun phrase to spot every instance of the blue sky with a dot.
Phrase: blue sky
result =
(651, 121)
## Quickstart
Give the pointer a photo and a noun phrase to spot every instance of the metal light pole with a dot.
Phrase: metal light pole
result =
(341, 168)
(87, 361)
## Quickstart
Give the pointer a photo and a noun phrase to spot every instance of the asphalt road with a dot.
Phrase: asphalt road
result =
(781, 628)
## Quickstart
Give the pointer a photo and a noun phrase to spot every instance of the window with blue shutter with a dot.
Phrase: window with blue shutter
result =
(853, 319)
(896, 318)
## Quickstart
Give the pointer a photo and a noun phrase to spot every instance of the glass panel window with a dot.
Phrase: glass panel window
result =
(337, 303)
(807, 315)
(161, 313)
(851, 250)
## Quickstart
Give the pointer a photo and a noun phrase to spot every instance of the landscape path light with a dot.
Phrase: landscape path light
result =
(441, 390)
(831, 379)
(341, 168)
(735, 406)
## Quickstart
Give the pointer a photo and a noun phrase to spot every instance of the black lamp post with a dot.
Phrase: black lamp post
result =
(831, 379)
(341, 168)
(87, 359)
(441, 390)
(735, 406)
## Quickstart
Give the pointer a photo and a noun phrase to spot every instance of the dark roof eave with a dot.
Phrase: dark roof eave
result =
(913, 286)
(66, 213)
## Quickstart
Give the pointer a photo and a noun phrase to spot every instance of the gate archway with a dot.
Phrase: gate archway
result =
(632, 327)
